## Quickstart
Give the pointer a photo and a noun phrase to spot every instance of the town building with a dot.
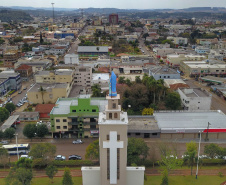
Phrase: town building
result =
(71, 59)
(25, 72)
(48, 93)
(175, 60)
(56, 76)
(195, 99)
(174, 84)
(178, 40)
(113, 147)
(83, 76)
(9, 80)
(44, 110)
(113, 19)
(162, 72)
(92, 51)
(27, 116)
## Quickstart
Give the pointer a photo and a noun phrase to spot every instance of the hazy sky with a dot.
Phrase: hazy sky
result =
(123, 4)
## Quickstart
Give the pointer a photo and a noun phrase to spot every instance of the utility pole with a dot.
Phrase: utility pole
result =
(207, 139)
(53, 11)
(17, 146)
(200, 137)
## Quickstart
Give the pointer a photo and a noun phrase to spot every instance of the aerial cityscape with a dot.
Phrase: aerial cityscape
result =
(102, 93)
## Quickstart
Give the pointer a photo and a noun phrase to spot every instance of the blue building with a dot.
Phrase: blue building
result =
(9, 80)
(63, 35)
(162, 72)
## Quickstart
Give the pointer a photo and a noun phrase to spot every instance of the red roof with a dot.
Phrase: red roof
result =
(23, 67)
(44, 108)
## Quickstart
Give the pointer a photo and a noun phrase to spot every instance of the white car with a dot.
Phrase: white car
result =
(78, 141)
(26, 156)
(60, 157)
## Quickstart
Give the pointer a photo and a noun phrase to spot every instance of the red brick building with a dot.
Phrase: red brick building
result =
(25, 71)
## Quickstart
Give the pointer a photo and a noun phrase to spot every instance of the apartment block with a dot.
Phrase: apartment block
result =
(83, 76)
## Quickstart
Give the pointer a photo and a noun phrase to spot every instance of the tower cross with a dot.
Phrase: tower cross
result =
(113, 145)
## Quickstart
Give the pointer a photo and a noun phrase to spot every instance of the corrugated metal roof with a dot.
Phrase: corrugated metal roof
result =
(92, 49)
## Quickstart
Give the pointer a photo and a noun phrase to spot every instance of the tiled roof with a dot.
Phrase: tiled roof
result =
(44, 108)
(23, 67)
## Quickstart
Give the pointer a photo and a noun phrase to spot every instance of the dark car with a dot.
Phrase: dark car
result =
(75, 157)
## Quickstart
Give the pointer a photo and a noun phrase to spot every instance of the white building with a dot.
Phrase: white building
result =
(195, 99)
(71, 59)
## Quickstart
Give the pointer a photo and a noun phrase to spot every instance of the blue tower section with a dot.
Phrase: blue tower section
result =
(112, 85)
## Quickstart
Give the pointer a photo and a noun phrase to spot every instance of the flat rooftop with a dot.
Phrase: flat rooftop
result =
(174, 121)
(48, 87)
(142, 124)
(196, 92)
(162, 70)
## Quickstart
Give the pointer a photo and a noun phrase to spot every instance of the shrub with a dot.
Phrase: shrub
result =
(220, 174)
(73, 163)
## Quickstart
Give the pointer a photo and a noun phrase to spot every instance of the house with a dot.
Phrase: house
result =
(83, 76)
(201, 50)
(195, 99)
(162, 72)
(92, 50)
(44, 110)
(174, 84)
(71, 59)
(27, 116)
(25, 72)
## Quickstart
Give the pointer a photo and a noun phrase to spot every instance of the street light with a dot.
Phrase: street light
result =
(200, 137)
(207, 139)
(17, 146)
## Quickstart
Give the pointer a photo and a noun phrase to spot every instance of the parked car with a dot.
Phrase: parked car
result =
(78, 141)
(4, 142)
(25, 88)
(60, 157)
(74, 157)
(19, 92)
(26, 156)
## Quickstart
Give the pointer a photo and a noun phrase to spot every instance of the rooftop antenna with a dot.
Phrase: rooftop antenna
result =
(53, 11)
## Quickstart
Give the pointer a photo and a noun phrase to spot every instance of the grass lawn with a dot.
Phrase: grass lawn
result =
(152, 180)
(186, 180)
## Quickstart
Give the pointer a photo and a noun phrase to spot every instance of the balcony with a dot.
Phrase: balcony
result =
(73, 123)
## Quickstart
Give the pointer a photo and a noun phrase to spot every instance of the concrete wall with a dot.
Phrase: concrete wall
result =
(135, 175)
(90, 175)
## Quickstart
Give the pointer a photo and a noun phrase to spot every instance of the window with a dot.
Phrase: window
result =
(118, 137)
(58, 127)
(93, 126)
(168, 76)
(114, 105)
(137, 134)
(110, 115)
(107, 137)
(57, 120)
(64, 120)
(50, 96)
(64, 127)
(115, 115)
(36, 96)
(94, 110)
(87, 110)
(164, 76)
(73, 110)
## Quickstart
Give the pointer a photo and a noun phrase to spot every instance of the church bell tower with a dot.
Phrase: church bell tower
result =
(113, 139)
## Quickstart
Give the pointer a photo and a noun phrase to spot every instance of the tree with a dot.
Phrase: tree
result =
(24, 163)
(42, 91)
(96, 89)
(173, 101)
(190, 154)
(4, 114)
(137, 150)
(138, 80)
(67, 179)
(9, 133)
(51, 171)
(30, 130)
(92, 151)
(3, 156)
(42, 153)
(145, 35)
(10, 107)
(121, 80)
(128, 82)
(19, 176)
(212, 150)
(1, 134)
(147, 111)
(42, 130)
(165, 180)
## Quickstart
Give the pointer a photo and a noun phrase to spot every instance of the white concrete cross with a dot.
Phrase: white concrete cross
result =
(113, 145)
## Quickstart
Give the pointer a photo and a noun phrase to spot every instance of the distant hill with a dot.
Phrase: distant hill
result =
(14, 15)
(38, 8)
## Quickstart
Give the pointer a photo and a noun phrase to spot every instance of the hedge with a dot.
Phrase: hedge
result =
(75, 163)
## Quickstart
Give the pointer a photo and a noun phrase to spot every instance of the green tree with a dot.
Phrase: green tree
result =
(19, 176)
(92, 151)
(4, 114)
(10, 107)
(145, 35)
(24, 163)
(212, 150)
(30, 130)
(121, 80)
(173, 101)
(96, 90)
(190, 154)
(42, 130)
(165, 180)
(51, 171)
(3, 156)
(42, 153)
(137, 150)
(138, 80)
(9, 133)
(18, 39)
(128, 82)
(67, 179)
(1, 134)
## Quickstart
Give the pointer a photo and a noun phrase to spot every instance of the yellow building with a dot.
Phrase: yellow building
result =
(48, 93)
